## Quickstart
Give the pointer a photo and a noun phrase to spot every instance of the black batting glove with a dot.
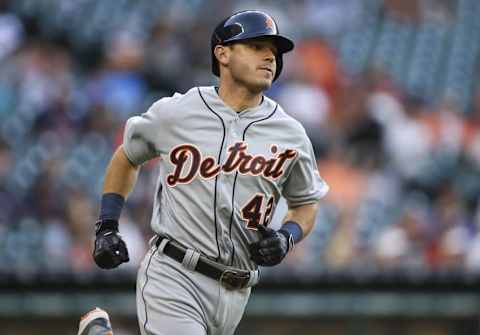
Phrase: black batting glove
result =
(272, 248)
(110, 250)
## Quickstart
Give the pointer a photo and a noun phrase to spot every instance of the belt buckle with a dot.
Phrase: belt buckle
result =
(233, 280)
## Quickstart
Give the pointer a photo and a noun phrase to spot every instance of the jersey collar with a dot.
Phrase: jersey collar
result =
(214, 101)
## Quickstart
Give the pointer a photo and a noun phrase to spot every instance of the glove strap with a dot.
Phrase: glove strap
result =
(106, 224)
(289, 237)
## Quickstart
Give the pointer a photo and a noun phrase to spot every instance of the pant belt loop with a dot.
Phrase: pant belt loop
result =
(254, 276)
(162, 244)
(153, 240)
(190, 259)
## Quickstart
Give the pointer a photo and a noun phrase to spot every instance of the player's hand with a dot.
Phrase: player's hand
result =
(271, 249)
(110, 250)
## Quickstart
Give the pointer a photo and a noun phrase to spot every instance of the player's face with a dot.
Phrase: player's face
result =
(252, 63)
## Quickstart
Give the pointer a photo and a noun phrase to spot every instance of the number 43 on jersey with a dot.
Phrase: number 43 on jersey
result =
(254, 213)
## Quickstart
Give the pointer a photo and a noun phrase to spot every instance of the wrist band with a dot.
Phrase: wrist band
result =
(112, 204)
(294, 229)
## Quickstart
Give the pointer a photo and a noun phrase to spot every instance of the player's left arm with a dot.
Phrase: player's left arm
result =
(304, 216)
(273, 245)
(302, 189)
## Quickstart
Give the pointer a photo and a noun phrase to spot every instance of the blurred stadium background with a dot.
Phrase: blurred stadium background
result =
(388, 91)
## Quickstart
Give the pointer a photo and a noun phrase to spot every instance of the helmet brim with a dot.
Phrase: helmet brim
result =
(282, 43)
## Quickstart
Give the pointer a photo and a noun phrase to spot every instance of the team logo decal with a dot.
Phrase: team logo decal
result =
(189, 162)
(269, 23)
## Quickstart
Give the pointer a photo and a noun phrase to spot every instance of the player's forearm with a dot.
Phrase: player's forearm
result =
(121, 175)
(304, 216)
(110, 250)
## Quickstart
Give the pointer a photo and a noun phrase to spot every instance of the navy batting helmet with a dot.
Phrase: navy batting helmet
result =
(247, 25)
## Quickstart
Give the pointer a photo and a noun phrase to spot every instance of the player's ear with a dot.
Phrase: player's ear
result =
(222, 53)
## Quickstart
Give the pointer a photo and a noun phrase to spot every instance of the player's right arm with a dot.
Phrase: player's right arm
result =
(141, 143)
(121, 174)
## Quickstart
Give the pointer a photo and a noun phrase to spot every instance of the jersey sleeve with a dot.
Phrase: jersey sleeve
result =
(304, 184)
(143, 133)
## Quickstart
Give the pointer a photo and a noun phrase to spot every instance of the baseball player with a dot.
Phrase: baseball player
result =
(228, 154)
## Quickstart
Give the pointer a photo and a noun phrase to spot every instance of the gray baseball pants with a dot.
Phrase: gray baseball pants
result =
(173, 300)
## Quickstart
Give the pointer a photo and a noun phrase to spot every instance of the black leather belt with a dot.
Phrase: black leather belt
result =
(232, 279)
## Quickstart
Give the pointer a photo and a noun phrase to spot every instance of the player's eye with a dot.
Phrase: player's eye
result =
(262, 47)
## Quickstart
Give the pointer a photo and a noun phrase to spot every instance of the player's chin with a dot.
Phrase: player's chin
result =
(267, 76)
(263, 83)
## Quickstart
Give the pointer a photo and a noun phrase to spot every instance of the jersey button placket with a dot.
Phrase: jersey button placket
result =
(234, 131)
(234, 135)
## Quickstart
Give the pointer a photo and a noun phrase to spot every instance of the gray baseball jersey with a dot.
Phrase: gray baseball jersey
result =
(222, 172)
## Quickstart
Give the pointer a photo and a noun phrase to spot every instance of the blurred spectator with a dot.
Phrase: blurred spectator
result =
(403, 245)
(385, 89)
(343, 245)
(455, 231)
(305, 101)
(472, 257)
(166, 61)
(79, 216)
(6, 162)
(119, 85)
(11, 33)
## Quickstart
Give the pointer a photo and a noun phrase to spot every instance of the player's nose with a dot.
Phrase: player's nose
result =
(269, 55)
